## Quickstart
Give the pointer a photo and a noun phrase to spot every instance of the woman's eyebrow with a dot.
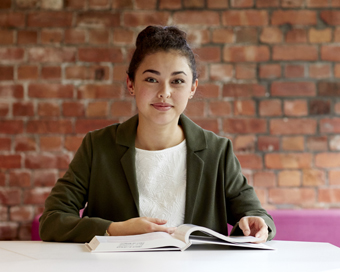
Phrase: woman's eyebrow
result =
(151, 71)
(178, 72)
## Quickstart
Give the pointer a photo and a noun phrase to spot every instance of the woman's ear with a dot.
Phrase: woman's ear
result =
(130, 85)
(193, 89)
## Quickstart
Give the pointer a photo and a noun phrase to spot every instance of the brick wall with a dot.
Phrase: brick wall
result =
(269, 80)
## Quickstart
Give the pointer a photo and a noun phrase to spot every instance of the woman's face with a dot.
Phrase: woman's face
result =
(162, 87)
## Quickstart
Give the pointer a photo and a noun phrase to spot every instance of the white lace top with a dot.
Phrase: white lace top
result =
(161, 180)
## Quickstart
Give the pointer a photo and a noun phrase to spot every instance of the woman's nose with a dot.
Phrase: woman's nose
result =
(164, 92)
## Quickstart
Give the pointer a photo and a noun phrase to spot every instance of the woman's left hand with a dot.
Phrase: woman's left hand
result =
(254, 226)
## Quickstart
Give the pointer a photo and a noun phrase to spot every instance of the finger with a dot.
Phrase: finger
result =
(244, 226)
(157, 221)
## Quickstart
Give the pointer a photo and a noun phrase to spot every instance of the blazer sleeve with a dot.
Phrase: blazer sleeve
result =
(241, 197)
(60, 220)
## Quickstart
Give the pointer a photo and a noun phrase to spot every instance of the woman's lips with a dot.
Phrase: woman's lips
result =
(162, 106)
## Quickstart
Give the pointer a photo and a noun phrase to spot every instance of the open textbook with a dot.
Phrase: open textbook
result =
(181, 239)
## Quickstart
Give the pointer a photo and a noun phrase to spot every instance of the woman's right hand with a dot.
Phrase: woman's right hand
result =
(138, 225)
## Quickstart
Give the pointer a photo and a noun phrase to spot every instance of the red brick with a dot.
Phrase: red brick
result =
(50, 91)
(145, 18)
(3, 215)
(301, 196)
(100, 55)
(27, 37)
(271, 35)
(21, 178)
(50, 126)
(317, 3)
(198, 36)
(236, 125)
(295, 52)
(43, 161)
(6, 4)
(120, 4)
(244, 143)
(270, 71)
(320, 70)
(28, 72)
(119, 72)
(195, 109)
(336, 34)
(99, 36)
(123, 36)
(222, 72)
(193, 3)
(246, 53)
(23, 109)
(11, 91)
(330, 125)
(271, 107)
(245, 18)
(24, 143)
(99, 4)
(84, 126)
(50, 143)
(10, 196)
(11, 126)
(11, 54)
(12, 19)
(330, 17)
(244, 107)
(334, 177)
(49, 19)
(73, 109)
(51, 72)
(294, 17)
(294, 71)
(5, 145)
(172, 4)
(51, 36)
(331, 195)
(208, 54)
(6, 73)
(48, 109)
(315, 143)
(97, 109)
(326, 88)
(250, 161)
(74, 36)
(8, 230)
(21, 213)
(319, 107)
(72, 143)
(44, 178)
(335, 3)
(330, 52)
(289, 178)
(313, 177)
(191, 17)
(87, 72)
(242, 3)
(121, 108)
(4, 109)
(320, 35)
(245, 71)
(292, 126)
(334, 143)
(36, 195)
(243, 90)
(6, 36)
(295, 107)
(208, 90)
(75, 4)
(264, 179)
(296, 143)
(292, 4)
(99, 91)
(10, 161)
(267, 3)
(337, 108)
(222, 35)
(98, 19)
(40, 54)
(26, 4)
(217, 4)
(220, 108)
(296, 35)
(246, 35)
(288, 160)
(293, 89)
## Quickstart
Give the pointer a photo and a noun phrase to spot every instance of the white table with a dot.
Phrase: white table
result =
(29, 256)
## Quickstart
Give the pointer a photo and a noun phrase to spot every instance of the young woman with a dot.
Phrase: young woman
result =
(158, 169)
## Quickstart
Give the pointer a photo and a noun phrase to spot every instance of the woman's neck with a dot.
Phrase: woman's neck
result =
(158, 137)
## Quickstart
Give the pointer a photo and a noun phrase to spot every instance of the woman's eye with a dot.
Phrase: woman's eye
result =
(178, 81)
(151, 80)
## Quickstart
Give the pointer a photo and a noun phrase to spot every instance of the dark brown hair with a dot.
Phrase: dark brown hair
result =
(154, 39)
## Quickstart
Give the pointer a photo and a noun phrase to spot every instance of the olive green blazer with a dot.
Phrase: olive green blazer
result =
(102, 177)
